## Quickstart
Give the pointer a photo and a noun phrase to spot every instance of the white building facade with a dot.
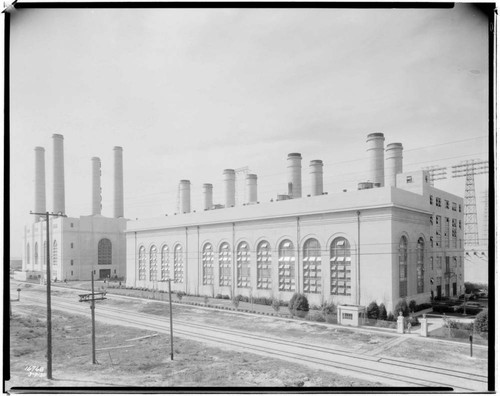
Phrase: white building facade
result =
(395, 237)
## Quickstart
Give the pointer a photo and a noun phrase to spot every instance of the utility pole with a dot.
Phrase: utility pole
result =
(49, 310)
(171, 323)
(92, 310)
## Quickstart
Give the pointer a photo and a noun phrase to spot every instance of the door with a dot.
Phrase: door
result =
(104, 273)
(438, 291)
(454, 288)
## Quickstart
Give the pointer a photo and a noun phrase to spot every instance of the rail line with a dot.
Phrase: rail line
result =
(393, 371)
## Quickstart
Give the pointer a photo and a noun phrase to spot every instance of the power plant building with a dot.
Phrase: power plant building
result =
(77, 245)
(394, 237)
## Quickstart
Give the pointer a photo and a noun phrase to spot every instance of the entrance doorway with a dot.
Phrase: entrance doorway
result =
(104, 273)
(438, 291)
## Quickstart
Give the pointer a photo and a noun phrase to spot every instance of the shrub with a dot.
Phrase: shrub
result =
(382, 312)
(180, 294)
(413, 320)
(481, 322)
(218, 296)
(401, 306)
(236, 301)
(301, 304)
(291, 303)
(225, 297)
(390, 317)
(329, 309)
(315, 316)
(412, 305)
(372, 312)
(276, 305)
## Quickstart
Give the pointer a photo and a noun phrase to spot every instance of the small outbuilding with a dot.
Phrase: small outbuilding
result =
(350, 315)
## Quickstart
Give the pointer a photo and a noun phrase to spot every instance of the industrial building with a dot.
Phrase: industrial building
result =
(396, 236)
(78, 245)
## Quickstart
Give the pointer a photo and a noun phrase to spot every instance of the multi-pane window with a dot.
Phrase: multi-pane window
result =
(36, 252)
(54, 254)
(460, 258)
(447, 204)
(208, 264)
(165, 264)
(459, 224)
(431, 240)
(460, 208)
(431, 220)
(431, 262)
(243, 265)
(286, 266)
(447, 264)
(27, 253)
(420, 266)
(264, 265)
(454, 232)
(153, 263)
(104, 252)
(438, 201)
(142, 263)
(431, 200)
(454, 206)
(224, 265)
(178, 264)
(312, 266)
(439, 262)
(447, 232)
(438, 231)
(403, 267)
(340, 267)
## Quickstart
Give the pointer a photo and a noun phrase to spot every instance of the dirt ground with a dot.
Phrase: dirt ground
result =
(142, 362)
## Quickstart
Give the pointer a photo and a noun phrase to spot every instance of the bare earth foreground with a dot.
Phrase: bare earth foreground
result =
(146, 362)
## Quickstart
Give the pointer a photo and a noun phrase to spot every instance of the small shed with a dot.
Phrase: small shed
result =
(350, 315)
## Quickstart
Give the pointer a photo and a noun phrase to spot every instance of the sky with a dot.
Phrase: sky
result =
(188, 93)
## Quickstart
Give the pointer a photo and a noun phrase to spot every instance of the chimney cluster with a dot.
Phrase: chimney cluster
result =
(378, 173)
(58, 180)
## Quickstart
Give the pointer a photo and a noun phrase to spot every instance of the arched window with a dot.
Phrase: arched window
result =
(340, 267)
(153, 263)
(264, 265)
(403, 267)
(36, 252)
(27, 253)
(142, 263)
(165, 265)
(208, 264)
(224, 265)
(104, 252)
(286, 266)
(54, 254)
(178, 265)
(420, 265)
(243, 265)
(312, 266)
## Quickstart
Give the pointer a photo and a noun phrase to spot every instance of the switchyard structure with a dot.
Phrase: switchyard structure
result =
(396, 236)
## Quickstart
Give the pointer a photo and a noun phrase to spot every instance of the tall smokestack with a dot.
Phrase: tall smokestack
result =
(394, 160)
(118, 182)
(295, 174)
(185, 196)
(316, 171)
(251, 182)
(229, 186)
(207, 196)
(96, 186)
(40, 203)
(58, 173)
(376, 157)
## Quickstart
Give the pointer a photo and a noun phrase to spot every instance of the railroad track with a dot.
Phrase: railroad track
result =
(390, 371)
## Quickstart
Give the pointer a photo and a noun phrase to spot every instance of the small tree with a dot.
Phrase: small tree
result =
(291, 303)
(390, 317)
(275, 304)
(328, 309)
(301, 305)
(401, 306)
(382, 312)
(412, 305)
(373, 310)
(481, 322)
(236, 301)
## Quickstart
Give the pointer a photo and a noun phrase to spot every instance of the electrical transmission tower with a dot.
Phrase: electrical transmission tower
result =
(241, 184)
(468, 169)
(436, 173)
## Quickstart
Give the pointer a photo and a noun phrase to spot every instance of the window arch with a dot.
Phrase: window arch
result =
(420, 265)
(27, 253)
(104, 249)
(403, 267)
(36, 252)
(312, 266)
(224, 265)
(340, 267)
(243, 265)
(264, 265)
(153, 263)
(165, 265)
(178, 264)
(208, 264)
(54, 254)
(142, 263)
(286, 266)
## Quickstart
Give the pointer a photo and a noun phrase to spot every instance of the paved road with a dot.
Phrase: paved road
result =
(388, 371)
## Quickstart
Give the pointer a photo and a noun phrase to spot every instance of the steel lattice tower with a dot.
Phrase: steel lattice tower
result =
(468, 169)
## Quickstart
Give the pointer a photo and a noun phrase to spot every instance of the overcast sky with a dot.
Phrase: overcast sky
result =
(188, 93)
